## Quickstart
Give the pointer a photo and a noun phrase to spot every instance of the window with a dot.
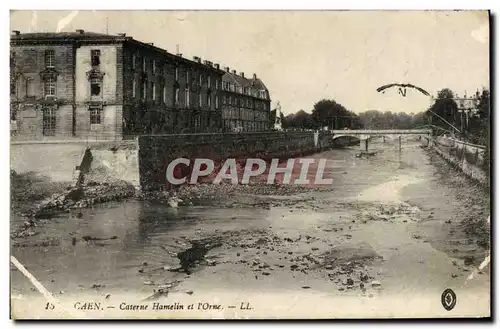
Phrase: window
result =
(216, 101)
(95, 116)
(13, 113)
(95, 56)
(187, 98)
(144, 63)
(144, 90)
(50, 86)
(134, 61)
(49, 122)
(164, 94)
(30, 87)
(216, 84)
(187, 77)
(12, 59)
(95, 87)
(134, 87)
(154, 91)
(209, 82)
(201, 80)
(49, 58)
(154, 66)
(176, 100)
(176, 74)
(13, 88)
(200, 99)
(209, 100)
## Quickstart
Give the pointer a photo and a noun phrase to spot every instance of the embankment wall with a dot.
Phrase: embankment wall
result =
(156, 152)
(468, 158)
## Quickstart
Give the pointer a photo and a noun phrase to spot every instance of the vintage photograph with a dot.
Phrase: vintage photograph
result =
(232, 164)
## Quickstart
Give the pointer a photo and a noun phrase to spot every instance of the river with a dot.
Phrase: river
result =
(393, 223)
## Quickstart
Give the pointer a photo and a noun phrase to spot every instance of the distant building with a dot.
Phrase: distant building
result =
(85, 85)
(245, 103)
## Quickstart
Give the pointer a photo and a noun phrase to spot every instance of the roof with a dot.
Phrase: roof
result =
(83, 36)
(62, 36)
(244, 82)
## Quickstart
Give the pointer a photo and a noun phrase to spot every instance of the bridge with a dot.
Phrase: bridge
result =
(365, 135)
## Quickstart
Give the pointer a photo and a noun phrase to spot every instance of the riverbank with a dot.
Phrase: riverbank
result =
(379, 233)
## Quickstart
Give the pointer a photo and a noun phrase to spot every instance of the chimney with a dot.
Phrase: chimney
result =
(206, 62)
(217, 66)
(255, 76)
(233, 71)
(180, 55)
(242, 74)
(80, 31)
(122, 34)
(150, 43)
(227, 69)
(16, 32)
(195, 58)
(199, 60)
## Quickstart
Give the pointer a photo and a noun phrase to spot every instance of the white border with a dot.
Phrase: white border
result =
(189, 4)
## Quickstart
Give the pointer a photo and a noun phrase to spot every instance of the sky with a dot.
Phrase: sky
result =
(306, 56)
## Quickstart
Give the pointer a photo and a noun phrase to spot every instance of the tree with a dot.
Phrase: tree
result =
(444, 111)
(329, 113)
(299, 120)
(387, 120)
(445, 93)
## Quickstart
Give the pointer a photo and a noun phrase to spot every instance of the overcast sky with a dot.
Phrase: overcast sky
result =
(303, 57)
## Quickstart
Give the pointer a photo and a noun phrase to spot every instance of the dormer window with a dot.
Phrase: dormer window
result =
(95, 56)
(49, 58)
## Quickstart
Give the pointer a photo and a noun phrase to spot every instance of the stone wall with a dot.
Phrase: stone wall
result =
(156, 152)
(469, 158)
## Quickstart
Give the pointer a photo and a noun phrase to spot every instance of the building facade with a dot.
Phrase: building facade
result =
(245, 103)
(84, 85)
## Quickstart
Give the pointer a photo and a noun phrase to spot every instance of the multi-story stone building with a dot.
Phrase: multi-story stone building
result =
(245, 103)
(84, 85)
